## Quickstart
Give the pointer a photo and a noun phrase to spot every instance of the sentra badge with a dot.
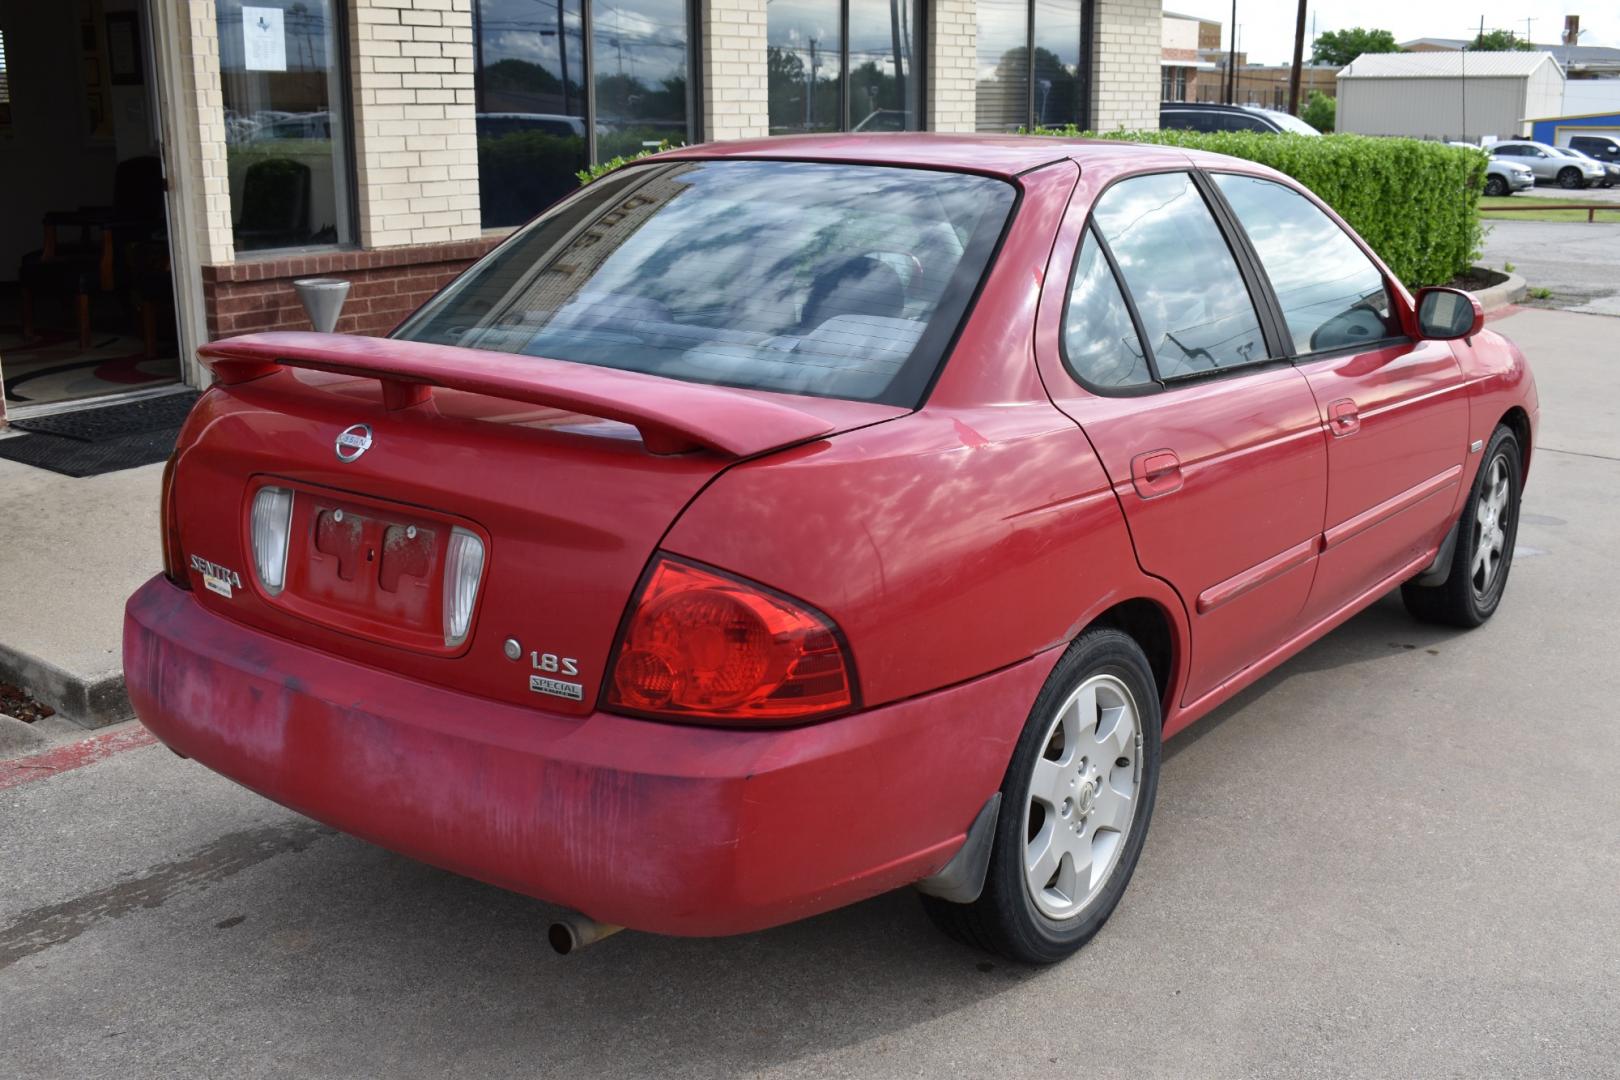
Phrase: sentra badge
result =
(353, 441)
(218, 579)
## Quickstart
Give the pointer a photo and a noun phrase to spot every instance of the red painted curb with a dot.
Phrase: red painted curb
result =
(49, 763)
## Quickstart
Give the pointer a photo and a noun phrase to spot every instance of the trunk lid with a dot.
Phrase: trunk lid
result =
(568, 475)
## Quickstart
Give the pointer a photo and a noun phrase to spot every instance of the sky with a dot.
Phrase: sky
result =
(1267, 26)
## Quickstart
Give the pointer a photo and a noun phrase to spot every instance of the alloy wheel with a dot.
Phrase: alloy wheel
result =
(1492, 526)
(1082, 797)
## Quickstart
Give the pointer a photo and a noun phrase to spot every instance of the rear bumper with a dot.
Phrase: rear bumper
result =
(659, 827)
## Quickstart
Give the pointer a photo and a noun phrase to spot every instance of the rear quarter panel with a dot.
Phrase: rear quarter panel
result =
(945, 545)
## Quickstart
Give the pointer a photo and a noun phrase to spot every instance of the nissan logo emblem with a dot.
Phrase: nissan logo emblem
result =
(353, 441)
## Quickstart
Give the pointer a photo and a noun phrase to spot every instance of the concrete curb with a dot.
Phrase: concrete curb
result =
(1503, 294)
(90, 701)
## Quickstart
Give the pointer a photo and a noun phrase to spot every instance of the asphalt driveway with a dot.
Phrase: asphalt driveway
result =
(1396, 856)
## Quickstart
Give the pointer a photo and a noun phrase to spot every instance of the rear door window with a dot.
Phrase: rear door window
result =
(830, 280)
(1100, 343)
(1195, 308)
(1332, 295)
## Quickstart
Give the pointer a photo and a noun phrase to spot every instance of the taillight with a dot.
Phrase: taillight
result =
(463, 567)
(706, 647)
(174, 561)
(272, 520)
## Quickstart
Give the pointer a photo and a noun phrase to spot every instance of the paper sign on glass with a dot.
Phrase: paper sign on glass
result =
(264, 39)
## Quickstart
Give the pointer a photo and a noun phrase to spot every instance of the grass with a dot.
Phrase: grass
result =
(1489, 203)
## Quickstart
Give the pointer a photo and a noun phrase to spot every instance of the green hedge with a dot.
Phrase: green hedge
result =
(1415, 202)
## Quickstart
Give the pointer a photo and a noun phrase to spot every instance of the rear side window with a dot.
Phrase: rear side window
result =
(830, 280)
(1332, 295)
(1099, 339)
(1195, 308)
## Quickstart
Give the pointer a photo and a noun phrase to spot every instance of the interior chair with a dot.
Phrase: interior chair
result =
(275, 204)
(80, 255)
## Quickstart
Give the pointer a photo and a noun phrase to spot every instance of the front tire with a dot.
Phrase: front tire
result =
(1495, 186)
(1570, 178)
(1483, 554)
(1075, 806)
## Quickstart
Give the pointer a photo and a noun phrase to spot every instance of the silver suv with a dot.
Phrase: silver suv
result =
(1549, 164)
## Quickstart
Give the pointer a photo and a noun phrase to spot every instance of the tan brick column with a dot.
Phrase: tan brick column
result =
(1125, 65)
(201, 166)
(416, 149)
(953, 34)
(735, 105)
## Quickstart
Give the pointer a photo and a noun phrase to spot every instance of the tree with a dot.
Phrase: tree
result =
(1498, 41)
(1320, 111)
(1339, 47)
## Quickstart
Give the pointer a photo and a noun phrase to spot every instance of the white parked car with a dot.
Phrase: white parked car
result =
(1550, 164)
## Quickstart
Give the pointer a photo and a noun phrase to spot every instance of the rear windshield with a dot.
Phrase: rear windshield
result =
(831, 280)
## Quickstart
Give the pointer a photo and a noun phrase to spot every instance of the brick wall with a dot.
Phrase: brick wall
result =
(1125, 86)
(735, 97)
(416, 148)
(202, 110)
(952, 38)
(257, 294)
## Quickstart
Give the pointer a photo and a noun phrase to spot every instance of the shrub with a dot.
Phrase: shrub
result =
(1321, 111)
(602, 168)
(1415, 202)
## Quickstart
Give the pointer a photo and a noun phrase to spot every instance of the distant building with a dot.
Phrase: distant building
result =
(1578, 61)
(1181, 63)
(1438, 94)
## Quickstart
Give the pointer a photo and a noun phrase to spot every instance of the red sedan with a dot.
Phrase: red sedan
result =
(773, 524)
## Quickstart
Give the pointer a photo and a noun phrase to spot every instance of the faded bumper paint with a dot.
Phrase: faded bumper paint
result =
(658, 827)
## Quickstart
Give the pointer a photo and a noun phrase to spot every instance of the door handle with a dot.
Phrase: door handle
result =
(1343, 418)
(1155, 473)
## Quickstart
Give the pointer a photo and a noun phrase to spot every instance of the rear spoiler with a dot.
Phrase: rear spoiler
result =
(672, 416)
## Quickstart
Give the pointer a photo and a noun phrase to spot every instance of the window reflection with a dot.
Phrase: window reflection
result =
(1193, 303)
(1012, 95)
(531, 105)
(882, 89)
(1099, 341)
(818, 82)
(639, 48)
(282, 87)
(1332, 295)
(804, 60)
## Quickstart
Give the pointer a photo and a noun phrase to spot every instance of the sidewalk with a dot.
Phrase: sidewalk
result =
(72, 551)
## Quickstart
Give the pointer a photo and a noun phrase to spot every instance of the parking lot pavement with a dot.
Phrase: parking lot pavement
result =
(1578, 261)
(1395, 856)
(1583, 195)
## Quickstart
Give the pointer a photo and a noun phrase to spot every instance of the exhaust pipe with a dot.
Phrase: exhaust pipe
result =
(575, 931)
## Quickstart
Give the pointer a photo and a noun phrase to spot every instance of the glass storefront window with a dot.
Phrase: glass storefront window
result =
(842, 65)
(559, 86)
(640, 49)
(531, 105)
(286, 122)
(805, 65)
(1012, 93)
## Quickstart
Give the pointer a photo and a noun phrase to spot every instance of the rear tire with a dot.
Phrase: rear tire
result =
(1080, 787)
(1495, 186)
(1483, 554)
(1570, 178)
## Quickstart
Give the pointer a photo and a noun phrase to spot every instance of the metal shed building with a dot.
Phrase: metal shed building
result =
(1448, 95)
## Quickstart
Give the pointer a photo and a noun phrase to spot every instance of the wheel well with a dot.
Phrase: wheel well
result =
(1148, 625)
(1518, 421)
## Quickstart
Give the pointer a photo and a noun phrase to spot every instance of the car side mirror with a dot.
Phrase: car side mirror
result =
(1447, 314)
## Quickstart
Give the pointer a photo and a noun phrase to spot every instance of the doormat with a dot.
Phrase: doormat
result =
(112, 421)
(95, 441)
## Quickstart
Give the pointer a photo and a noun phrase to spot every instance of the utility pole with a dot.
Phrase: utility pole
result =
(1231, 57)
(1299, 58)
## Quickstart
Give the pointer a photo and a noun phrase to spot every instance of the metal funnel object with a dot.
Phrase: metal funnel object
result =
(323, 300)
